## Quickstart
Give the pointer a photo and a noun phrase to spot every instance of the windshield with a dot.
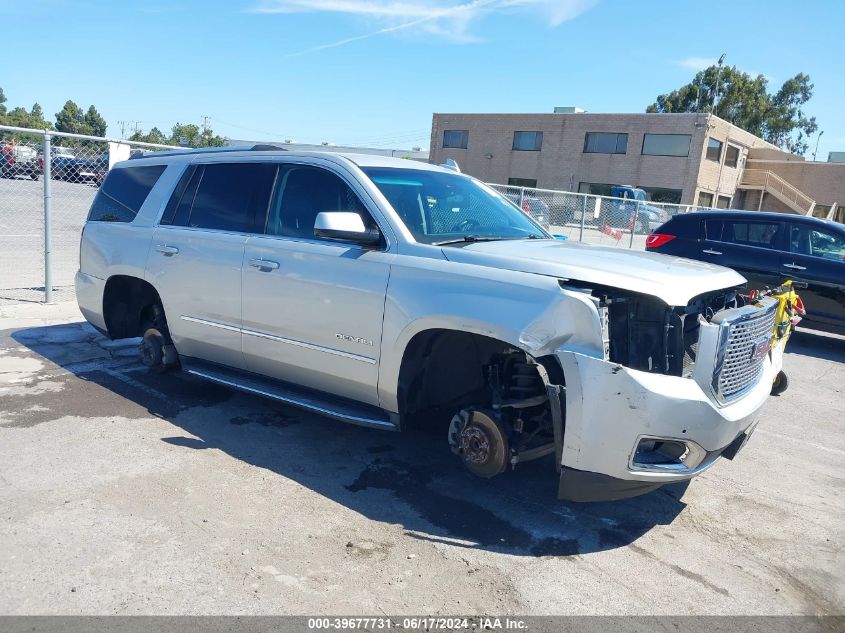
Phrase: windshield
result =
(64, 151)
(440, 207)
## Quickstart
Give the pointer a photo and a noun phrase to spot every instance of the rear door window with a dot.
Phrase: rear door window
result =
(713, 230)
(123, 193)
(224, 197)
(759, 234)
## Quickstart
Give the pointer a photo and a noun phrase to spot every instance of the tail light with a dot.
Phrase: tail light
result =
(656, 240)
(526, 207)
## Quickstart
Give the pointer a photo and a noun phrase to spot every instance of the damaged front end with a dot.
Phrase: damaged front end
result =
(675, 388)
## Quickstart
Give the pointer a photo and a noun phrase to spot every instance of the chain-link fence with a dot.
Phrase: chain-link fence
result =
(622, 221)
(49, 179)
(47, 183)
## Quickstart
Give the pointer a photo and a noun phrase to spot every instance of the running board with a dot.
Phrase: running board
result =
(318, 402)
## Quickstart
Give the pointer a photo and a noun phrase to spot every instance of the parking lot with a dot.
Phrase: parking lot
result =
(125, 492)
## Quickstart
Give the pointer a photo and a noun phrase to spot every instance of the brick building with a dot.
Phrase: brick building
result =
(694, 159)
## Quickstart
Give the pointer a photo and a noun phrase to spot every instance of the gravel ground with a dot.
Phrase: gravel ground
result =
(123, 492)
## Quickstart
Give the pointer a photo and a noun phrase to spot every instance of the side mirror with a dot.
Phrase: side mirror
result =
(345, 225)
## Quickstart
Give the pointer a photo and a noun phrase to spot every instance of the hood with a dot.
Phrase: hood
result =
(674, 280)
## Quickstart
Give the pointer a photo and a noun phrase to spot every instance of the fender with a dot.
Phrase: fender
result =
(528, 311)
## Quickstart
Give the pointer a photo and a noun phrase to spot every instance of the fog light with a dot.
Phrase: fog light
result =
(661, 454)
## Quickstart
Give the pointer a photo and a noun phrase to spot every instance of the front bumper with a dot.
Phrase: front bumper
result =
(611, 409)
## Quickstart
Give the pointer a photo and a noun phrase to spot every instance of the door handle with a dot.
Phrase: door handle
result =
(795, 267)
(264, 264)
(710, 251)
(166, 250)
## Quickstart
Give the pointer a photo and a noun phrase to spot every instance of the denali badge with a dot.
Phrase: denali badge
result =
(353, 339)
(761, 348)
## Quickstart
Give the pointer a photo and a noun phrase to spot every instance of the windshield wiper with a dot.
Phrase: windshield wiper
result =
(470, 239)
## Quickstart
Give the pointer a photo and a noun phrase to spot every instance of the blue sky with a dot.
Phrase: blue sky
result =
(372, 72)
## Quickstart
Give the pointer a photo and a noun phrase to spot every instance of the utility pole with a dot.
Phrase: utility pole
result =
(716, 91)
(818, 138)
(205, 123)
(132, 125)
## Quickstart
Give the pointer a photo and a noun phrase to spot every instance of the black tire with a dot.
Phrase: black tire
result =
(780, 384)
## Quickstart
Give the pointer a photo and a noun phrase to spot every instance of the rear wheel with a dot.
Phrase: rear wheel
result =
(157, 350)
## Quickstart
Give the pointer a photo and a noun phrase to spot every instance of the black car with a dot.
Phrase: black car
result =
(767, 249)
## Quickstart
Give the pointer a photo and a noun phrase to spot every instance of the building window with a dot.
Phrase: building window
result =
(660, 194)
(595, 188)
(705, 199)
(456, 139)
(666, 144)
(724, 202)
(528, 141)
(714, 149)
(531, 183)
(605, 143)
(732, 156)
(821, 210)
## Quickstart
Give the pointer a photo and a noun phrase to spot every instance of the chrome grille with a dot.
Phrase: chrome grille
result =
(737, 370)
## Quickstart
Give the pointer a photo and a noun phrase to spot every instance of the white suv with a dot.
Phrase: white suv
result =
(385, 293)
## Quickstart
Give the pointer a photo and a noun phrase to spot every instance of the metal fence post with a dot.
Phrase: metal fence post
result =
(634, 224)
(521, 196)
(48, 222)
(583, 217)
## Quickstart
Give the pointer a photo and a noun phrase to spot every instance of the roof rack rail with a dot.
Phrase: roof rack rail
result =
(193, 151)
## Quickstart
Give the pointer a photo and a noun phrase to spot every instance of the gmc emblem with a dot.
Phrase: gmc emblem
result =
(761, 348)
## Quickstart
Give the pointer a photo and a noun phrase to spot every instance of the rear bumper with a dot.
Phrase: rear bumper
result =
(89, 296)
(611, 410)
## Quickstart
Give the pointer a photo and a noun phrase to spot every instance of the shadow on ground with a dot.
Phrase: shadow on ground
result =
(817, 345)
(410, 479)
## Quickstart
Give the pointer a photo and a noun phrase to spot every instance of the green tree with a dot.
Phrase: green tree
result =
(745, 101)
(154, 136)
(95, 122)
(2, 104)
(190, 135)
(71, 119)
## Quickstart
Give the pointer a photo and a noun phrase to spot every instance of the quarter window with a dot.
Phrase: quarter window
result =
(714, 150)
(301, 193)
(605, 143)
(457, 139)
(123, 193)
(666, 144)
(528, 141)
(231, 196)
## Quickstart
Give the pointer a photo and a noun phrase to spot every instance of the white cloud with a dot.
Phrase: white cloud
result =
(450, 19)
(697, 63)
